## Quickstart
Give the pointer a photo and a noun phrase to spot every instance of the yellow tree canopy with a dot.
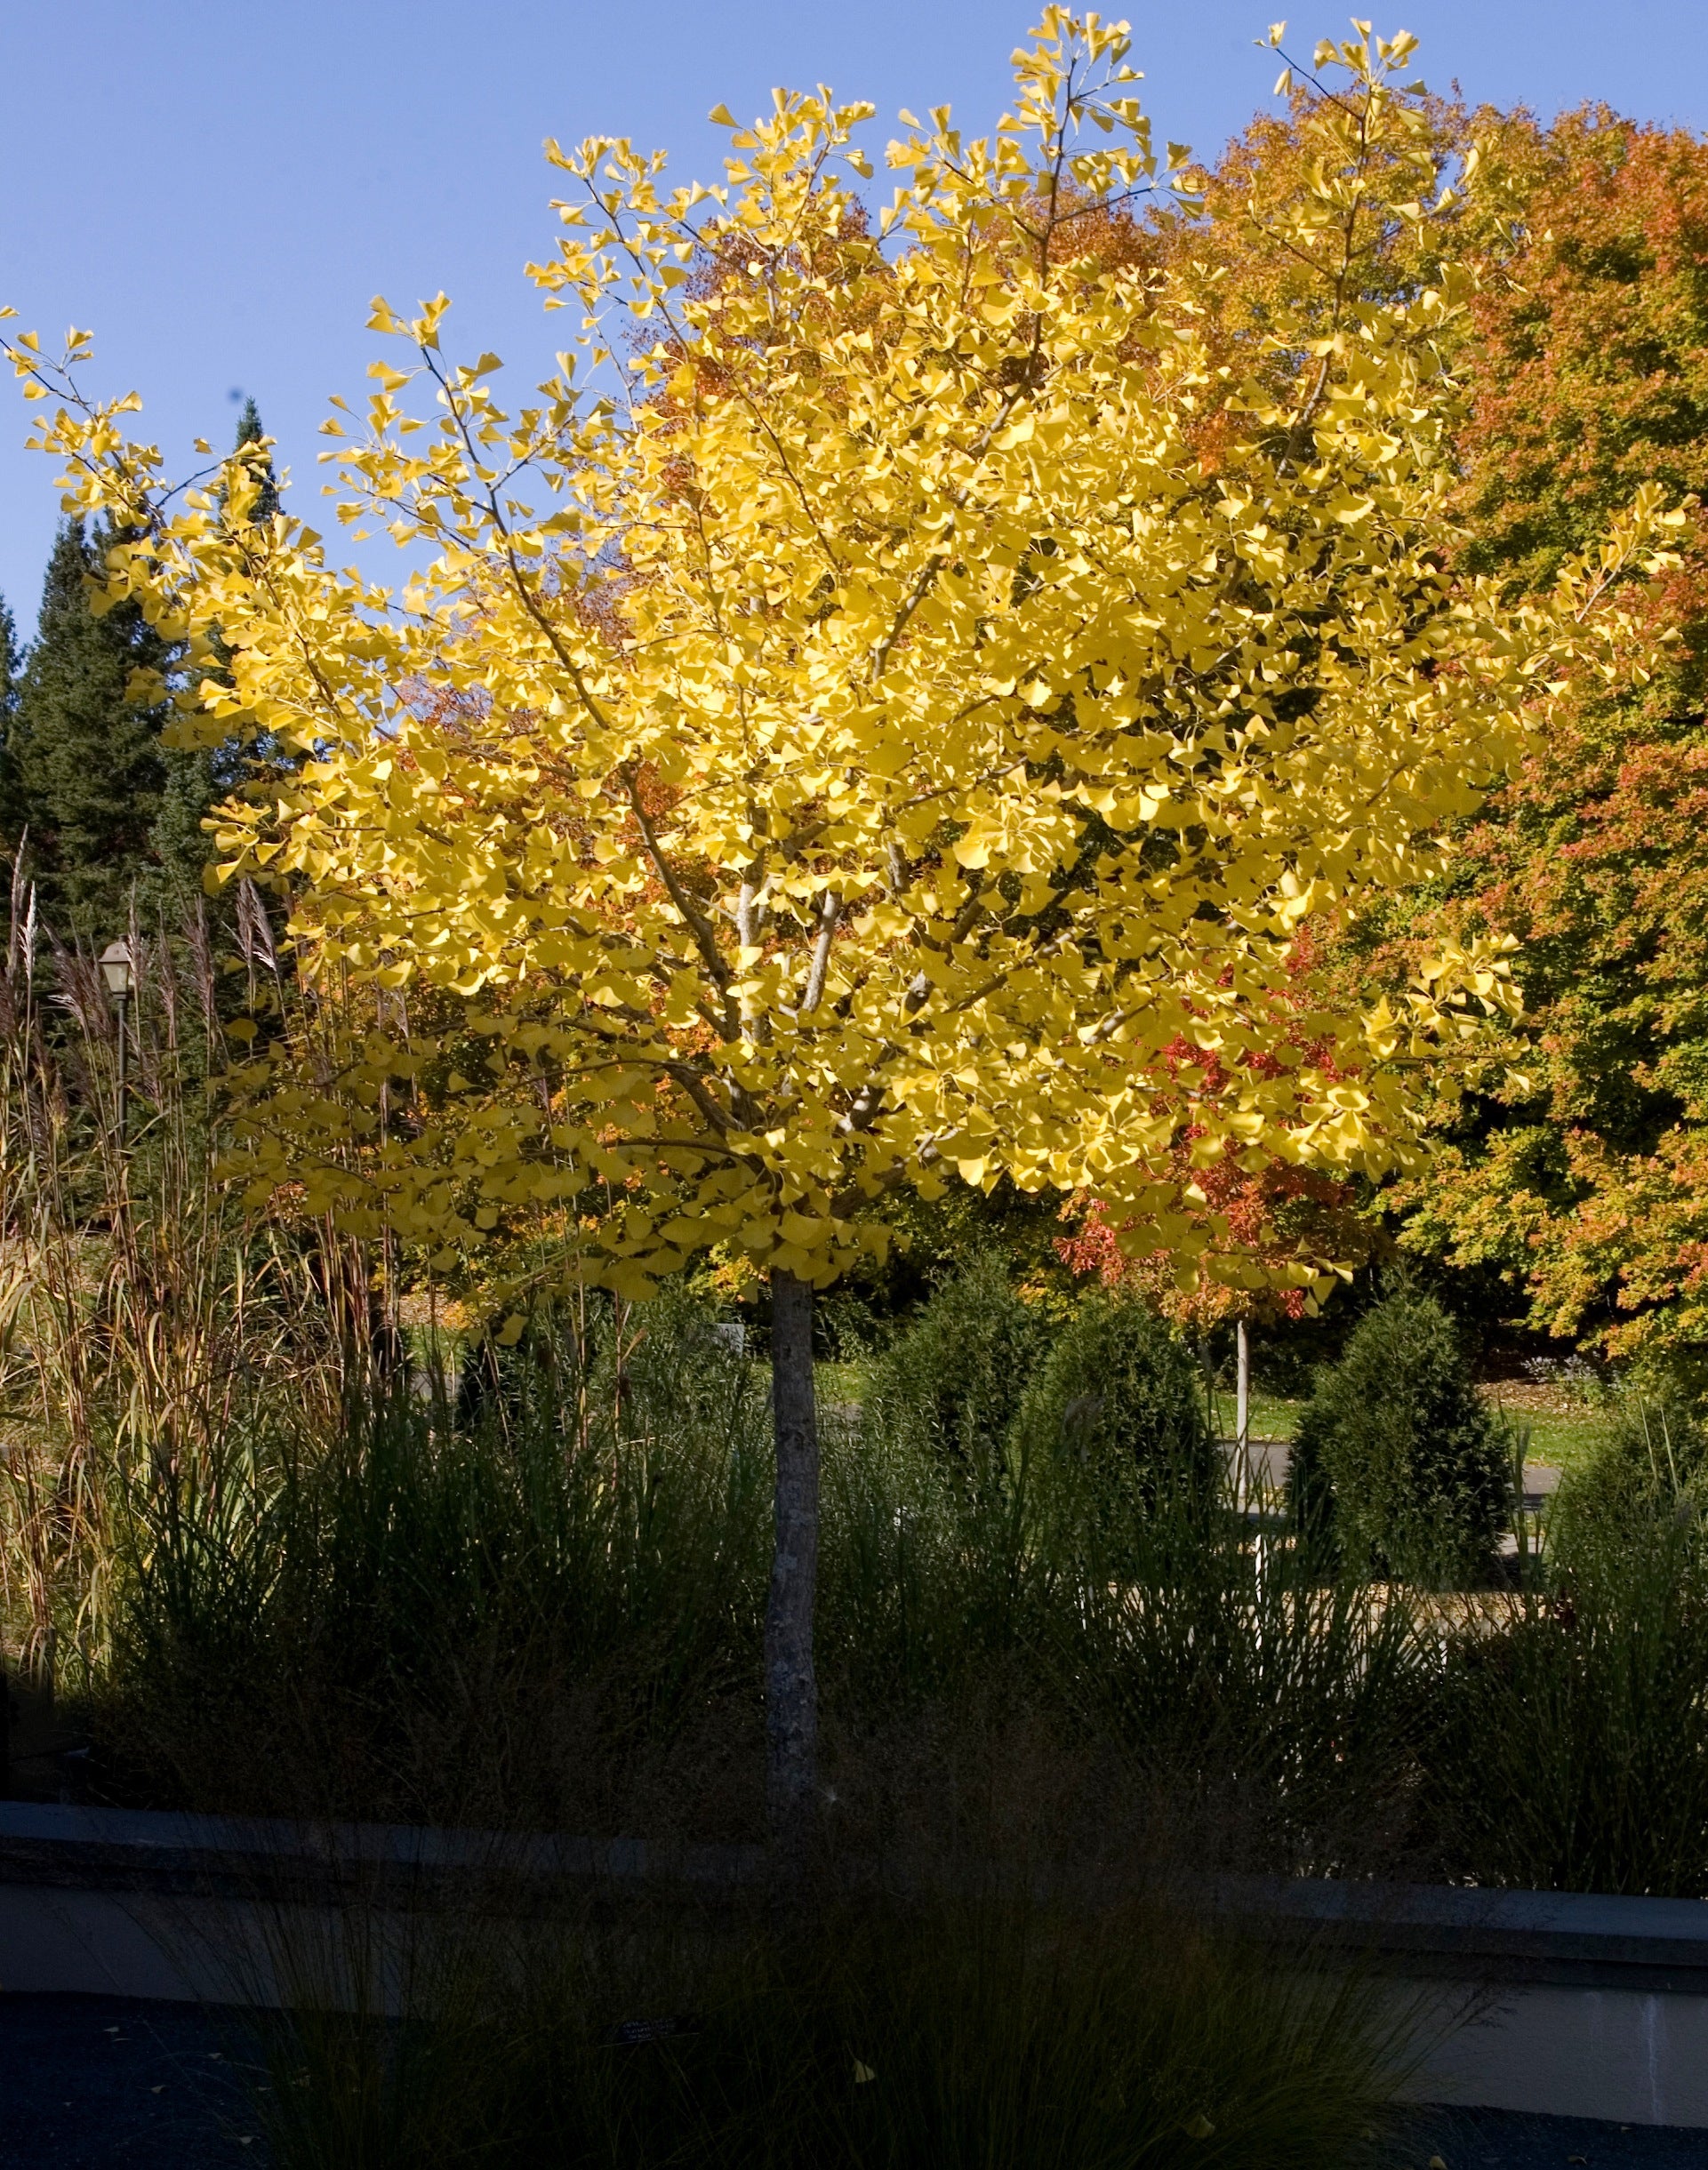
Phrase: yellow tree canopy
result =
(898, 715)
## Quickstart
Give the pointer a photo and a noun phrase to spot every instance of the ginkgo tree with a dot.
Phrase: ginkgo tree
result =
(903, 700)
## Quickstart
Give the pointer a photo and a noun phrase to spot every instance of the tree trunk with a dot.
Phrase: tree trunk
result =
(790, 1686)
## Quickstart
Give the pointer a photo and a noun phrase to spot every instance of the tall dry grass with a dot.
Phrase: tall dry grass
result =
(151, 1330)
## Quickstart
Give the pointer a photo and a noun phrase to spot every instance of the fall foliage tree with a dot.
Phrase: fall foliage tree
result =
(1576, 1174)
(899, 736)
(1580, 1174)
(1262, 1221)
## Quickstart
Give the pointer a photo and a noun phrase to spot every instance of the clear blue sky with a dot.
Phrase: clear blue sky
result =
(217, 190)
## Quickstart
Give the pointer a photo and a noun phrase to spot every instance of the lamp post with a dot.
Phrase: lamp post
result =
(118, 969)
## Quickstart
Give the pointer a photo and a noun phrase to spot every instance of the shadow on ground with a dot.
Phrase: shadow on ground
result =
(109, 2083)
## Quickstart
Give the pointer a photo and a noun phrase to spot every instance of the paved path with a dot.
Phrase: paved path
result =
(1501, 2139)
(105, 2083)
(98, 2083)
(1267, 1460)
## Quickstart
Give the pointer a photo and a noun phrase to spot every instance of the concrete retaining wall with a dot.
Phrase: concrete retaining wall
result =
(1581, 2006)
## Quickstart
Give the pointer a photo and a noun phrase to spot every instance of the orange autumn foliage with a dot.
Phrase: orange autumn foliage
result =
(1581, 1177)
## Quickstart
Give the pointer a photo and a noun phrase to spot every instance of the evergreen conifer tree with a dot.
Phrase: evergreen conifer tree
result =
(1398, 1461)
(12, 664)
(83, 754)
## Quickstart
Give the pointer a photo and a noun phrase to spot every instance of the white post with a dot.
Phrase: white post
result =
(1248, 1490)
(1242, 1387)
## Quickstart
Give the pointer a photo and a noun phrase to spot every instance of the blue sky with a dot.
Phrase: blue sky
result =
(217, 190)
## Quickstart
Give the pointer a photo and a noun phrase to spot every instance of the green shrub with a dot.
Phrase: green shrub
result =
(1651, 1454)
(1114, 1424)
(1418, 1467)
(1311, 1492)
(949, 1385)
(1575, 1748)
(923, 1576)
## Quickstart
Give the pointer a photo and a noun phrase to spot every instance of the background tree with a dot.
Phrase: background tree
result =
(264, 503)
(11, 671)
(1262, 1221)
(84, 740)
(1576, 1176)
(1580, 1176)
(938, 699)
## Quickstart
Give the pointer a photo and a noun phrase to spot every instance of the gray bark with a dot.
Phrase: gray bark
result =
(790, 1684)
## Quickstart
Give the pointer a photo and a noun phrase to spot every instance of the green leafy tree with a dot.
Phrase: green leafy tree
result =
(84, 743)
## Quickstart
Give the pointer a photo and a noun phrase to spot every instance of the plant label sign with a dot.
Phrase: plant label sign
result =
(632, 2033)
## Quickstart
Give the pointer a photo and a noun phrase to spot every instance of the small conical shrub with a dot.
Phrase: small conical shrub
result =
(947, 1387)
(1115, 1418)
(1415, 1462)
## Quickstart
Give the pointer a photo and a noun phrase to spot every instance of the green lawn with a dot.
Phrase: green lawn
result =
(1566, 1439)
(1272, 1417)
(841, 1382)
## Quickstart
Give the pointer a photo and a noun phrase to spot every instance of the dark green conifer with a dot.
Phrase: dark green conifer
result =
(12, 664)
(83, 754)
(1400, 1465)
